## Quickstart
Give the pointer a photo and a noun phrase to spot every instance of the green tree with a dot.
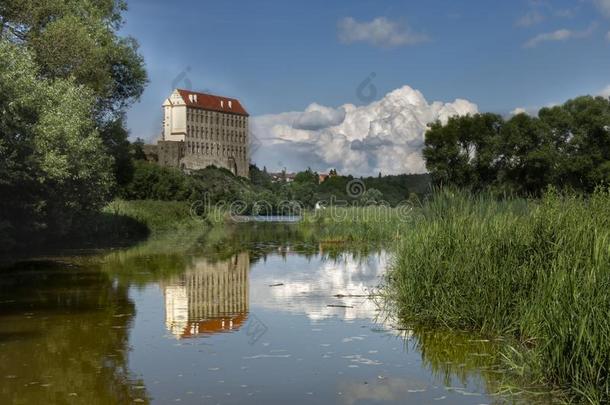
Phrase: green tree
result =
(582, 126)
(308, 176)
(526, 156)
(565, 146)
(115, 136)
(78, 40)
(137, 149)
(260, 177)
(462, 152)
(52, 161)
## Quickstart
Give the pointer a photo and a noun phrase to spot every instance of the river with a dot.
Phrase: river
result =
(254, 314)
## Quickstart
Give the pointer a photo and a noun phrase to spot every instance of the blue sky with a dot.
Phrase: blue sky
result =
(279, 56)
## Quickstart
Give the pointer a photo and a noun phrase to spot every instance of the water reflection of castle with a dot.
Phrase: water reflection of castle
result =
(210, 297)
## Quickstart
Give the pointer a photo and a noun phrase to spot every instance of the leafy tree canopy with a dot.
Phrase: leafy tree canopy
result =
(566, 146)
(78, 40)
(52, 162)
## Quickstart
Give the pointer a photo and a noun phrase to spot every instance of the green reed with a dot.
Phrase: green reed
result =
(157, 216)
(537, 272)
(357, 224)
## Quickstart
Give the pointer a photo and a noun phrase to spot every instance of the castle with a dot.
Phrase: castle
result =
(201, 130)
(208, 298)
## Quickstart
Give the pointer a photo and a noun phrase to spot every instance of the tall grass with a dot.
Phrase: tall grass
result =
(157, 216)
(357, 224)
(538, 272)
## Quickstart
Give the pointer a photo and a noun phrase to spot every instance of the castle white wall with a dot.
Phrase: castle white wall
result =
(209, 137)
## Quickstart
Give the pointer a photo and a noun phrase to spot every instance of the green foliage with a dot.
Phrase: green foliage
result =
(372, 196)
(65, 82)
(461, 153)
(77, 40)
(52, 162)
(260, 195)
(158, 216)
(115, 136)
(260, 177)
(541, 275)
(137, 149)
(582, 128)
(567, 146)
(211, 185)
(357, 223)
(153, 182)
(394, 189)
(307, 177)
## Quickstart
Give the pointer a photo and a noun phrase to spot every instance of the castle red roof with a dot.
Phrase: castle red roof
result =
(214, 325)
(212, 103)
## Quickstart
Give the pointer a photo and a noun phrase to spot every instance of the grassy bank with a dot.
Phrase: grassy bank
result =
(536, 272)
(125, 222)
(357, 224)
(157, 216)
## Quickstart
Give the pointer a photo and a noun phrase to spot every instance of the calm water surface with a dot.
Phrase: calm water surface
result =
(255, 315)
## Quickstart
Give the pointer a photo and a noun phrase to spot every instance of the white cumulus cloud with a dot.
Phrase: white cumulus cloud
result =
(380, 32)
(385, 136)
(519, 110)
(317, 116)
(559, 35)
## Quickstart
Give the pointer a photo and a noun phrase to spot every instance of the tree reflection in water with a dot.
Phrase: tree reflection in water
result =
(64, 337)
